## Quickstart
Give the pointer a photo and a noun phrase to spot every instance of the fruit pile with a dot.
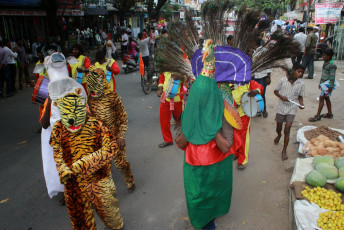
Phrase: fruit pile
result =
(325, 199)
(331, 220)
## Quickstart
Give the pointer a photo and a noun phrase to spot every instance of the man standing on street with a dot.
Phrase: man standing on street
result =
(169, 105)
(80, 67)
(308, 56)
(124, 40)
(300, 37)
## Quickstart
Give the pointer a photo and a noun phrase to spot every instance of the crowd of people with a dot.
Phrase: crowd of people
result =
(84, 136)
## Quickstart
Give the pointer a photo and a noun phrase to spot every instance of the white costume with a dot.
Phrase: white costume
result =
(59, 85)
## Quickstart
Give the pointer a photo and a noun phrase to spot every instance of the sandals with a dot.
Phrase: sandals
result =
(327, 115)
(315, 118)
(241, 167)
(164, 144)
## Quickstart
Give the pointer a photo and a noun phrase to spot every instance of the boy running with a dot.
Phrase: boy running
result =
(288, 90)
(326, 85)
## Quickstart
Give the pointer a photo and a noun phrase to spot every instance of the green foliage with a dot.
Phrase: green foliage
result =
(269, 6)
(153, 9)
(176, 7)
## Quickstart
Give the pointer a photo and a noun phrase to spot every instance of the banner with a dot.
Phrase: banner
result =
(327, 13)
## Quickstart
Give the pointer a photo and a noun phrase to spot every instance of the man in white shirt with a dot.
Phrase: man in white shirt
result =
(143, 46)
(11, 63)
(124, 40)
(300, 37)
(110, 48)
(316, 31)
(273, 27)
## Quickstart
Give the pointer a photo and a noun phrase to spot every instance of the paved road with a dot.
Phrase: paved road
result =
(260, 199)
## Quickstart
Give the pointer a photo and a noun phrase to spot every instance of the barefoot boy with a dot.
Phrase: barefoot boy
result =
(328, 76)
(288, 89)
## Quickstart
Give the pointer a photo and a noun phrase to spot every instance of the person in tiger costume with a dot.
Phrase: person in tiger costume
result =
(107, 106)
(83, 150)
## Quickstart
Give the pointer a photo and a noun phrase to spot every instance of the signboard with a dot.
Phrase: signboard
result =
(182, 14)
(22, 12)
(327, 13)
(70, 12)
(161, 23)
(26, 3)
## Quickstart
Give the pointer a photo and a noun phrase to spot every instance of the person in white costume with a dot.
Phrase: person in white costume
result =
(59, 85)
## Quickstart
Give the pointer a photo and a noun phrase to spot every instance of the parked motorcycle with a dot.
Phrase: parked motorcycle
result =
(129, 63)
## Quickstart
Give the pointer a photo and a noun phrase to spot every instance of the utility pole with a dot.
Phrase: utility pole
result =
(308, 11)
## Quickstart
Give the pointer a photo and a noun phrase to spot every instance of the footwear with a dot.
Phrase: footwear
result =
(132, 188)
(164, 144)
(265, 114)
(241, 167)
(315, 118)
(235, 158)
(309, 77)
(327, 115)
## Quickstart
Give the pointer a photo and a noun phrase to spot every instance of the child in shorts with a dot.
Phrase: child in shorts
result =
(328, 77)
(289, 89)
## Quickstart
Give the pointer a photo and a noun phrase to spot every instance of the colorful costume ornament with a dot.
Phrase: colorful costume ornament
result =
(107, 106)
(210, 106)
(83, 150)
(208, 165)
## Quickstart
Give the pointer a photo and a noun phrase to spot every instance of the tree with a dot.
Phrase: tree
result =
(154, 9)
(54, 20)
(271, 7)
(124, 7)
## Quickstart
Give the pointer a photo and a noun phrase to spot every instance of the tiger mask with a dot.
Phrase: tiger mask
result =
(73, 110)
(96, 83)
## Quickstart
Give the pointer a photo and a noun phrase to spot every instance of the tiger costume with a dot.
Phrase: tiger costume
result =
(107, 106)
(83, 150)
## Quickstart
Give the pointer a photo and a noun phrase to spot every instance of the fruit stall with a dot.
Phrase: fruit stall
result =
(316, 190)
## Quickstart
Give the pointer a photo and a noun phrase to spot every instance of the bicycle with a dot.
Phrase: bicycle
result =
(150, 79)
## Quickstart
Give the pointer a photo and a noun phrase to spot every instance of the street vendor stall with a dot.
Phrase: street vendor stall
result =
(316, 187)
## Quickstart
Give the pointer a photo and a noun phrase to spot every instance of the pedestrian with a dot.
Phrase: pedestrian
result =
(143, 47)
(118, 31)
(50, 114)
(263, 78)
(301, 38)
(208, 161)
(107, 65)
(83, 151)
(132, 49)
(98, 39)
(34, 46)
(11, 63)
(170, 105)
(104, 35)
(80, 67)
(242, 137)
(110, 48)
(273, 27)
(308, 55)
(23, 65)
(130, 31)
(229, 40)
(327, 85)
(124, 42)
(316, 32)
(289, 89)
(5, 75)
(107, 106)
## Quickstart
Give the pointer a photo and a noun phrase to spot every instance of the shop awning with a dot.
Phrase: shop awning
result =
(96, 11)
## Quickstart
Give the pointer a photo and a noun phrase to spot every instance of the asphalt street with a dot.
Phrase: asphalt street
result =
(260, 197)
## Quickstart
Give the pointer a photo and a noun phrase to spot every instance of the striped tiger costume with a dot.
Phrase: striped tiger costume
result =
(83, 150)
(107, 106)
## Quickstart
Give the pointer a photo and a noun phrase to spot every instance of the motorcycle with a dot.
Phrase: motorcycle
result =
(129, 63)
(320, 50)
